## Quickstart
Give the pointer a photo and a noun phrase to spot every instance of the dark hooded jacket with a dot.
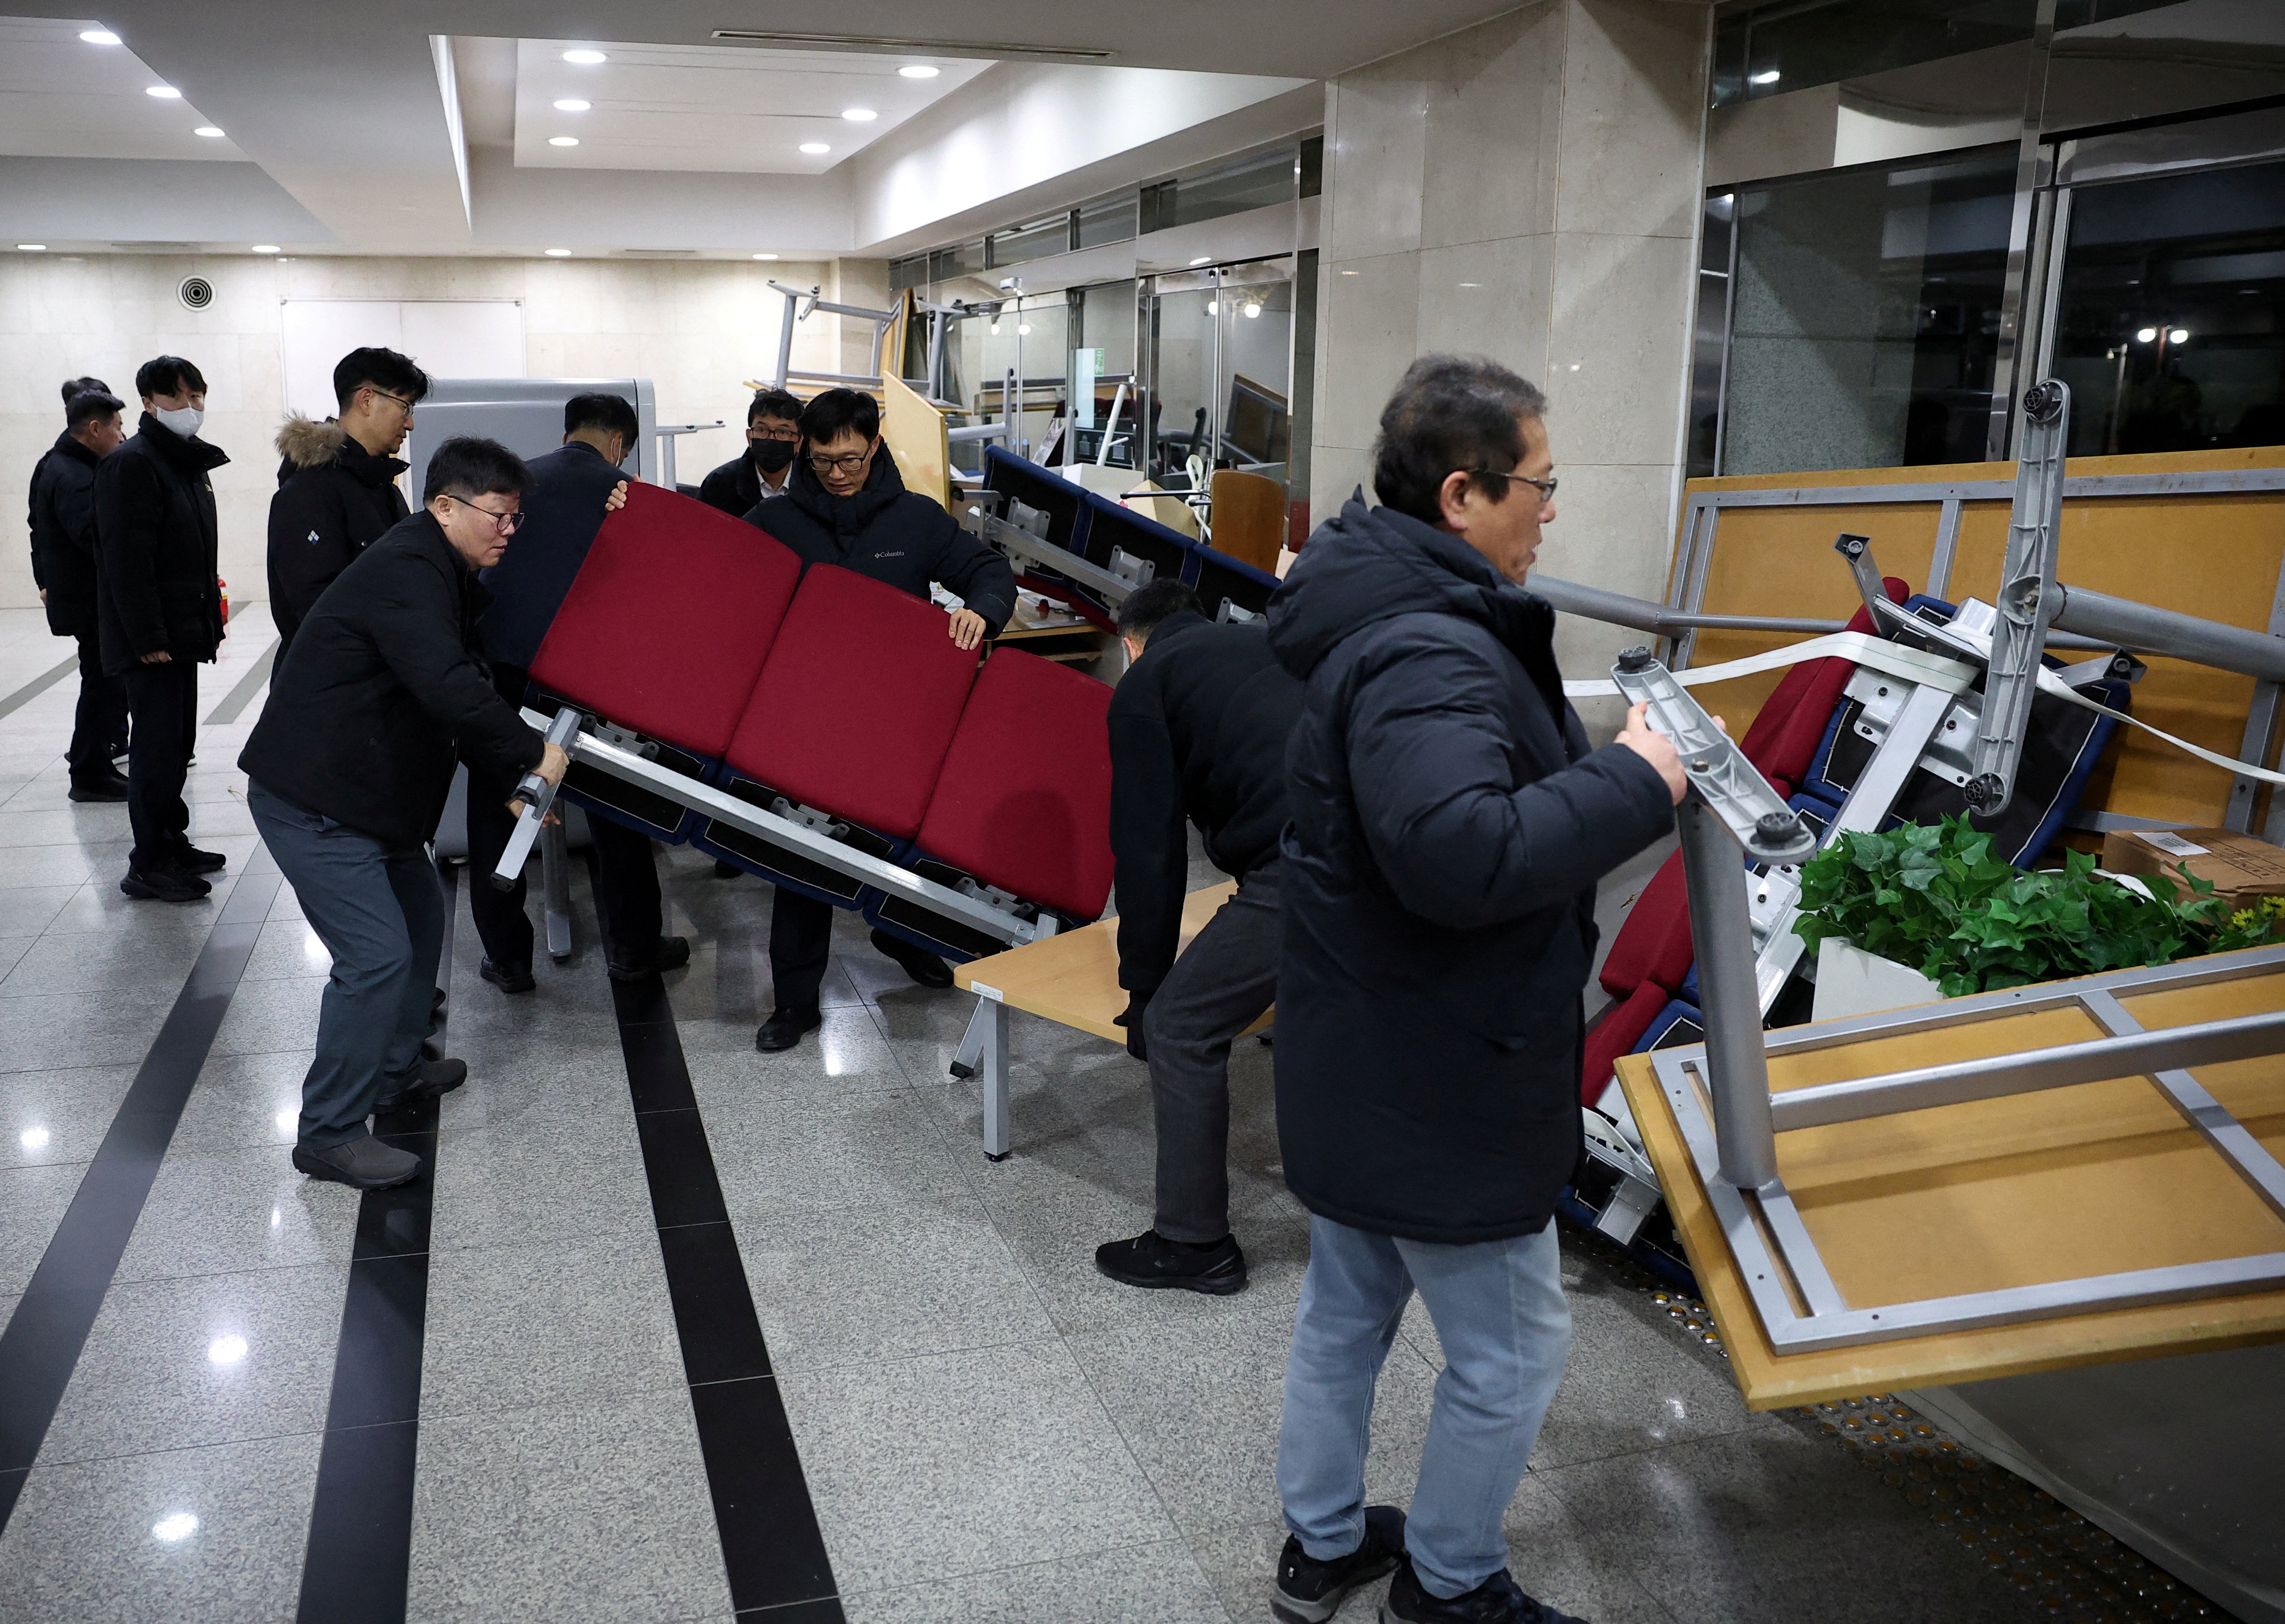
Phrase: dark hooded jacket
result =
(335, 500)
(155, 548)
(1197, 730)
(63, 535)
(891, 534)
(384, 690)
(562, 512)
(735, 486)
(1449, 825)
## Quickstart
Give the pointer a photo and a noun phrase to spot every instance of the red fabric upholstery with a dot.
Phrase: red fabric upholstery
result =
(1653, 946)
(1791, 723)
(857, 703)
(1024, 799)
(1616, 1034)
(668, 623)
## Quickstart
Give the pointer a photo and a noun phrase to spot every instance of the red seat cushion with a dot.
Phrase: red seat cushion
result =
(1024, 800)
(1653, 946)
(857, 703)
(669, 619)
(1791, 722)
(1616, 1034)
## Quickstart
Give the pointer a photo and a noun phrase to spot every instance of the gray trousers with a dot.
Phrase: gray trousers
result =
(380, 912)
(1217, 989)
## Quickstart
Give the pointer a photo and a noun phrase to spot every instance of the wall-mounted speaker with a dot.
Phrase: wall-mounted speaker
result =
(196, 293)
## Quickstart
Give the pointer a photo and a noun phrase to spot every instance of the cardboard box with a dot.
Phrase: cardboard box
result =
(2240, 867)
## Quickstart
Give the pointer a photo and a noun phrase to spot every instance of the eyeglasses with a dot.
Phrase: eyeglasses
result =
(399, 400)
(1545, 487)
(788, 436)
(849, 464)
(504, 523)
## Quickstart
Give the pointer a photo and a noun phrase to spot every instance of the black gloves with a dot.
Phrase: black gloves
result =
(1132, 1020)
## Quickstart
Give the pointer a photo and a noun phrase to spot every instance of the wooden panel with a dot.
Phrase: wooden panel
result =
(915, 433)
(2252, 1091)
(1248, 515)
(1073, 978)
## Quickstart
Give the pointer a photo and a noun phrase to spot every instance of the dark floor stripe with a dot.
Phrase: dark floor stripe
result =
(41, 1343)
(358, 1566)
(771, 1545)
(234, 703)
(39, 685)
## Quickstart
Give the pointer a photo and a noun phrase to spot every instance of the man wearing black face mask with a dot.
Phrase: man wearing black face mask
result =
(773, 435)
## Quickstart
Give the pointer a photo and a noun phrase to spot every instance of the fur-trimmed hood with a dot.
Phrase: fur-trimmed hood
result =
(308, 443)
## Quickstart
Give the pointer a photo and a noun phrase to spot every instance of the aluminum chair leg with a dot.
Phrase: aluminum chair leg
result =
(555, 890)
(983, 1048)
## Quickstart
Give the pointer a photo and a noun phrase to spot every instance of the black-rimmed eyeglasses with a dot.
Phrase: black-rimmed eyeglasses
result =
(1545, 487)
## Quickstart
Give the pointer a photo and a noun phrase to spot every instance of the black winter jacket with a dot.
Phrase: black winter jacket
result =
(561, 512)
(155, 548)
(335, 500)
(382, 689)
(891, 534)
(735, 487)
(63, 535)
(1450, 824)
(1198, 727)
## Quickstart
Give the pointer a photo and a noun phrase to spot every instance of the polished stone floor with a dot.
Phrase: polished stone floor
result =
(981, 1427)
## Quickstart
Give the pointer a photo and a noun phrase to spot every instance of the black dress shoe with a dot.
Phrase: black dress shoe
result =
(672, 953)
(508, 978)
(1156, 1264)
(361, 1164)
(164, 885)
(1310, 1591)
(922, 965)
(190, 860)
(430, 1079)
(1498, 1600)
(108, 785)
(784, 1028)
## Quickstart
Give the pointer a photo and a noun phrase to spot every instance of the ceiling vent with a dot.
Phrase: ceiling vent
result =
(160, 247)
(660, 253)
(196, 293)
(934, 48)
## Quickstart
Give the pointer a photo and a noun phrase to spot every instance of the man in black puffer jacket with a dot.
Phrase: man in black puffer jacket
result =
(847, 505)
(1449, 825)
(62, 514)
(337, 486)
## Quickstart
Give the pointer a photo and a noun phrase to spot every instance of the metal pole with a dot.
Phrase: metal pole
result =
(1721, 927)
(785, 334)
(2125, 623)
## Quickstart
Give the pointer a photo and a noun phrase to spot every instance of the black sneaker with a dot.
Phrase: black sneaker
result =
(1310, 1591)
(190, 860)
(784, 1028)
(1155, 1263)
(922, 965)
(672, 953)
(508, 978)
(361, 1164)
(164, 885)
(108, 785)
(430, 1079)
(1498, 1600)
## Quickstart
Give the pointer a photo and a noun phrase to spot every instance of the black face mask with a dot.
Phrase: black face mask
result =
(770, 456)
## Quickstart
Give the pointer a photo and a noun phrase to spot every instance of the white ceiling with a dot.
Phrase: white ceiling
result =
(725, 108)
(62, 98)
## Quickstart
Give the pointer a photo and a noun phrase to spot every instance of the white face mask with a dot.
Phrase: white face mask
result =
(184, 420)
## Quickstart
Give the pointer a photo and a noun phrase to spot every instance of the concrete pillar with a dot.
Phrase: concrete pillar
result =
(1527, 189)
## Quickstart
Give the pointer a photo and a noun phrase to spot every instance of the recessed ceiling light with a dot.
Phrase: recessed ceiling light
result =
(765, 256)
(265, 247)
(563, 140)
(1769, 75)
(917, 70)
(164, 92)
(208, 131)
(859, 115)
(571, 104)
(31, 247)
(100, 36)
(1202, 259)
(557, 253)
(2180, 335)
(814, 147)
(2145, 336)
(585, 58)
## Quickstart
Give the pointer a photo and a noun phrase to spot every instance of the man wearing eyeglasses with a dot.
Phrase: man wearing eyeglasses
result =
(847, 505)
(348, 771)
(760, 472)
(337, 484)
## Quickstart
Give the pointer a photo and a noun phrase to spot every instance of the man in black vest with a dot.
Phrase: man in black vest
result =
(337, 486)
(847, 505)
(760, 471)
(1198, 735)
(159, 608)
(63, 567)
(572, 487)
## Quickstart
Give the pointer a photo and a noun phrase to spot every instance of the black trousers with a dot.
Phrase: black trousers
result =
(100, 721)
(801, 943)
(626, 874)
(163, 702)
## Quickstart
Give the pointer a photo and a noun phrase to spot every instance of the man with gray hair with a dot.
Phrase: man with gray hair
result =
(62, 517)
(1449, 823)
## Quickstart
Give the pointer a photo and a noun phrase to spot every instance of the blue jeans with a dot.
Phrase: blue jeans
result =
(380, 911)
(1499, 1312)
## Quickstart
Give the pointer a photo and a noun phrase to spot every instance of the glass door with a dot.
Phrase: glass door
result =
(1220, 365)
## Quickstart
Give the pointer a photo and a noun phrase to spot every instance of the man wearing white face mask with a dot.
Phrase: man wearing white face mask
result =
(159, 610)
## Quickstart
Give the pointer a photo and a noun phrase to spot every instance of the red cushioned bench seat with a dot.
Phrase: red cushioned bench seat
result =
(849, 722)
(663, 635)
(1023, 805)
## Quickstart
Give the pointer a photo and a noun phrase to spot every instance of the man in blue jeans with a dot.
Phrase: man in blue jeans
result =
(382, 691)
(1449, 825)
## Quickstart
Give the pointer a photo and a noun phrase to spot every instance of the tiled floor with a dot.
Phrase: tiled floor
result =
(988, 1431)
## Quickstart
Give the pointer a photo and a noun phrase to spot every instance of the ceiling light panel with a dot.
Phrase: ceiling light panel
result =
(66, 95)
(724, 109)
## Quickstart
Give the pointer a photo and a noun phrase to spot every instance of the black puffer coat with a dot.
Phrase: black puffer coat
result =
(891, 534)
(155, 552)
(63, 535)
(1449, 825)
(335, 500)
